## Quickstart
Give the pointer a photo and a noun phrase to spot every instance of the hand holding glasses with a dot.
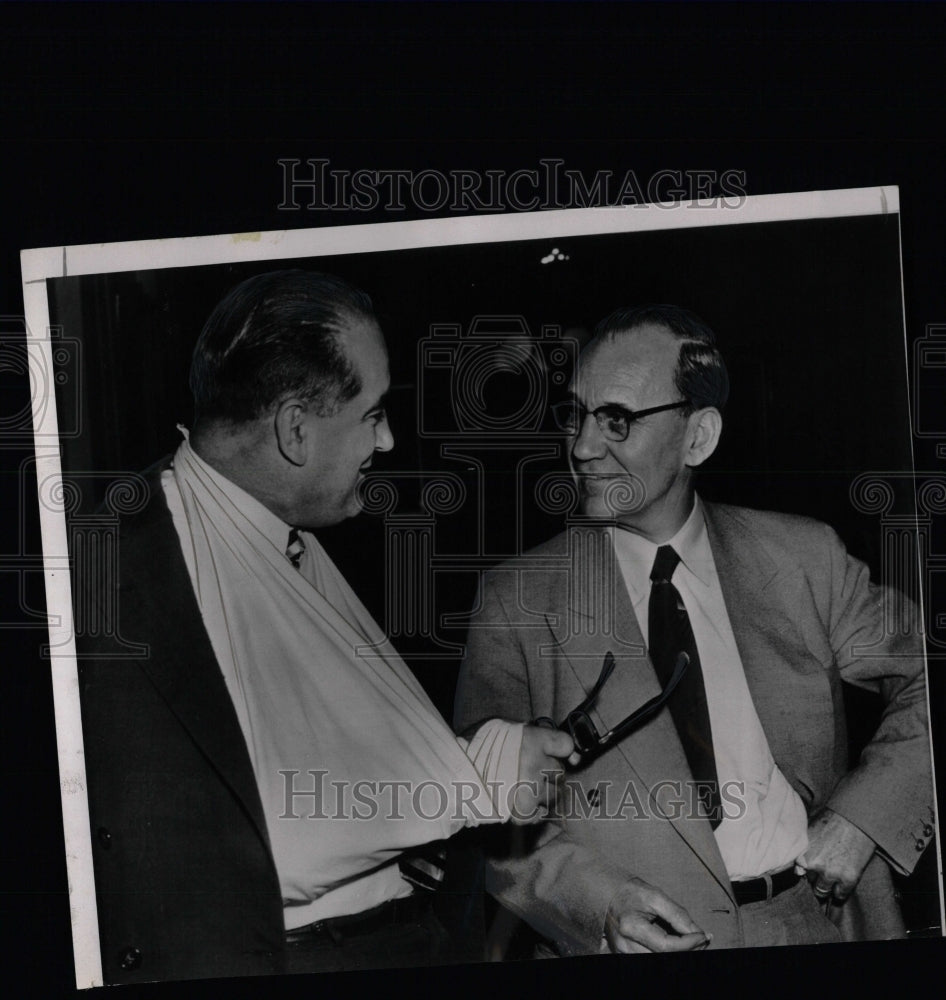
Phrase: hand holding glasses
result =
(588, 743)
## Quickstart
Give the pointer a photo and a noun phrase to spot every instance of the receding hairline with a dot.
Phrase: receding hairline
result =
(346, 319)
(344, 332)
(609, 337)
(348, 326)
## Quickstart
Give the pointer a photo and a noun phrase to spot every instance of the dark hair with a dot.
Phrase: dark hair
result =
(276, 335)
(701, 377)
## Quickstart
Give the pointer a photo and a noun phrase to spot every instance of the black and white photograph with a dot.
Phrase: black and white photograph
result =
(206, 667)
(472, 563)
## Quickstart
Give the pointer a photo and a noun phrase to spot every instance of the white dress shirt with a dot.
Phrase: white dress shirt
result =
(764, 826)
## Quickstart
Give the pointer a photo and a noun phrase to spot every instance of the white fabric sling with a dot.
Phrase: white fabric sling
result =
(320, 715)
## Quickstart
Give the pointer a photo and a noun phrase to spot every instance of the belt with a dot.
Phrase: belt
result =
(405, 910)
(755, 890)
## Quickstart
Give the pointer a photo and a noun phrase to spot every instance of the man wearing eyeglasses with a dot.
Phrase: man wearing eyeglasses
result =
(696, 652)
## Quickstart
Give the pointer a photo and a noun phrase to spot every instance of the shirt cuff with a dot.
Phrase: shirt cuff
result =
(494, 751)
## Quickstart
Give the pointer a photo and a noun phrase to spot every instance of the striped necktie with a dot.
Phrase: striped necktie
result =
(295, 548)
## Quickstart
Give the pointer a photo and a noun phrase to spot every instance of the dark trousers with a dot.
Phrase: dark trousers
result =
(793, 917)
(404, 934)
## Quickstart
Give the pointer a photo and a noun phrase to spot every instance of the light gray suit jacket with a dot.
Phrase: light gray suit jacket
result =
(805, 617)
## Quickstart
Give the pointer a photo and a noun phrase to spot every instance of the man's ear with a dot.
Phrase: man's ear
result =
(289, 425)
(706, 425)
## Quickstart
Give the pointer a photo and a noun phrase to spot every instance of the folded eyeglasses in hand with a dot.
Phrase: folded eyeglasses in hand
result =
(578, 723)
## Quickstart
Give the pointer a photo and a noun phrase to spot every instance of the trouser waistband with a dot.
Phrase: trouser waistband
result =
(404, 910)
(755, 890)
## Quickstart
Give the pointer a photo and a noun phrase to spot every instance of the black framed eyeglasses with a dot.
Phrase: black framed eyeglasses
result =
(613, 420)
(579, 725)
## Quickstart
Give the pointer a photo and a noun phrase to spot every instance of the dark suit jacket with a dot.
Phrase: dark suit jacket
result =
(805, 617)
(185, 881)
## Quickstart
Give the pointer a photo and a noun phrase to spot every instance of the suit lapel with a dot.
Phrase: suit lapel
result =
(786, 684)
(601, 619)
(181, 664)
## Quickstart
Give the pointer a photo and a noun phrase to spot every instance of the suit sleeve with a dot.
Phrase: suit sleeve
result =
(877, 640)
(561, 888)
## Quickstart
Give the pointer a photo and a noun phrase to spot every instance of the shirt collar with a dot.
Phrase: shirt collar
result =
(691, 543)
(261, 517)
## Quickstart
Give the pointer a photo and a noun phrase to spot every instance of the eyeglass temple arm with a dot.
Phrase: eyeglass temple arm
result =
(607, 669)
(649, 707)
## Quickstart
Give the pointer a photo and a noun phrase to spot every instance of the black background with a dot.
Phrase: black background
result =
(812, 333)
(143, 121)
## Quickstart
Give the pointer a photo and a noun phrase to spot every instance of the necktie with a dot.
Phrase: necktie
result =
(671, 634)
(295, 548)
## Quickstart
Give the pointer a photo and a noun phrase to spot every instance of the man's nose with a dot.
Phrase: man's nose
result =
(590, 442)
(383, 436)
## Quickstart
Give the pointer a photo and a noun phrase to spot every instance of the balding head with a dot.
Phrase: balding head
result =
(700, 376)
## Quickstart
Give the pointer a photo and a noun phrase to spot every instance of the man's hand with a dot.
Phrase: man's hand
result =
(639, 917)
(540, 768)
(837, 854)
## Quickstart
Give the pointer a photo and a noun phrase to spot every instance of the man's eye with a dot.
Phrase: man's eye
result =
(616, 422)
(376, 416)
